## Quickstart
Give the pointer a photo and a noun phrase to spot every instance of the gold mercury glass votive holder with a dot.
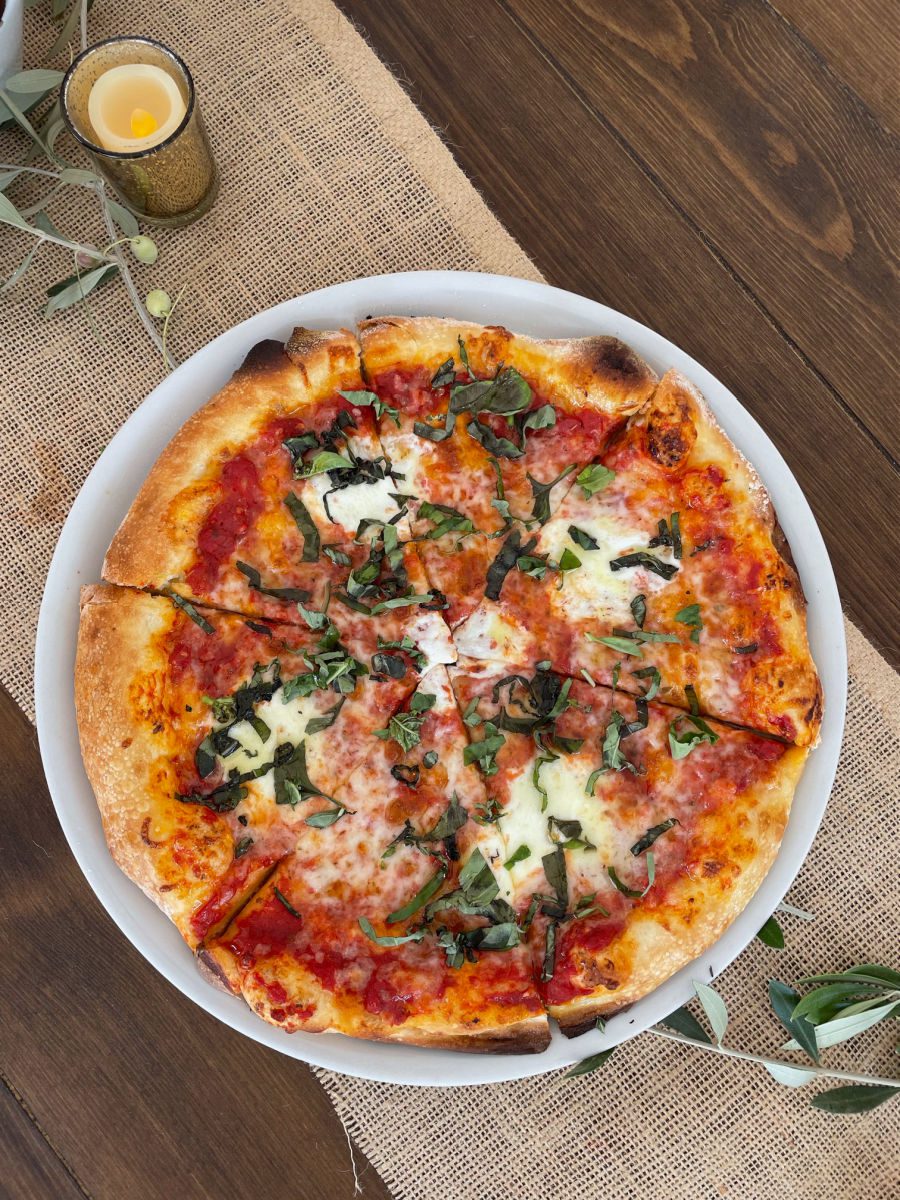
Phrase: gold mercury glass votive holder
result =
(169, 184)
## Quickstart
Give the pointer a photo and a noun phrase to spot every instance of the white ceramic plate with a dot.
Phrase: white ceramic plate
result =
(109, 490)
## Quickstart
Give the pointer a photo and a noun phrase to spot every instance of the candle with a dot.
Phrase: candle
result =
(131, 103)
(135, 106)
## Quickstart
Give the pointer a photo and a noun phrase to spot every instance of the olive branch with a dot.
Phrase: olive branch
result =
(21, 95)
(840, 1006)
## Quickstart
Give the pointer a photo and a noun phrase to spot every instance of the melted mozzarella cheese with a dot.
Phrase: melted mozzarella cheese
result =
(524, 824)
(405, 452)
(287, 723)
(594, 592)
(490, 634)
(430, 633)
(350, 505)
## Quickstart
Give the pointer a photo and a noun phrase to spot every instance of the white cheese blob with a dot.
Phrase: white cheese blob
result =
(595, 592)
(350, 505)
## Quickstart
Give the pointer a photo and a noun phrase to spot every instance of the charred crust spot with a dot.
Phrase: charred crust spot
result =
(815, 710)
(711, 867)
(666, 445)
(157, 728)
(615, 361)
(145, 835)
(212, 971)
(586, 1024)
(671, 433)
(126, 742)
(265, 356)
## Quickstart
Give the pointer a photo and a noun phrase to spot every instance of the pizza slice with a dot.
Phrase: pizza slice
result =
(210, 740)
(277, 493)
(634, 832)
(482, 426)
(664, 563)
(391, 924)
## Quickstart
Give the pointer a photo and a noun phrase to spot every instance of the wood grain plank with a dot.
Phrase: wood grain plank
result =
(861, 44)
(141, 1092)
(570, 192)
(30, 1170)
(791, 181)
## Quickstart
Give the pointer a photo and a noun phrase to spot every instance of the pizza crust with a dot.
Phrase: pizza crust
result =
(596, 372)
(157, 539)
(120, 750)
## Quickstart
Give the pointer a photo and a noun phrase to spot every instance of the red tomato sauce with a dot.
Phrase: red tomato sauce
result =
(577, 940)
(266, 930)
(217, 907)
(410, 391)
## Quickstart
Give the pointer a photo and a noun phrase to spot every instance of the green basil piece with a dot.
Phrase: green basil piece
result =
(420, 898)
(311, 538)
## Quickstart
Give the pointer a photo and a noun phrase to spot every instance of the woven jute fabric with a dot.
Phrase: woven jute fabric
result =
(328, 173)
(669, 1121)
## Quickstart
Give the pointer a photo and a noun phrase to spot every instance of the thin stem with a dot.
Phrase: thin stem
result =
(77, 247)
(165, 332)
(17, 167)
(813, 1072)
(23, 123)
(119, 258)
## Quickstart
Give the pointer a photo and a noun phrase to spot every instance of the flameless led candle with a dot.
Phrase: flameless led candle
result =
(131, 103)
(135, 106)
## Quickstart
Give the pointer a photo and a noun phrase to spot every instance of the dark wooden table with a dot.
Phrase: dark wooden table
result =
(722, 171)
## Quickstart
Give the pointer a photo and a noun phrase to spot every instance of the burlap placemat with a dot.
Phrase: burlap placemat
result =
(329, 172)
(670, 1122)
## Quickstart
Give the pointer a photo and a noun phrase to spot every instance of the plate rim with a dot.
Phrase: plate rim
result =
(391, 1062)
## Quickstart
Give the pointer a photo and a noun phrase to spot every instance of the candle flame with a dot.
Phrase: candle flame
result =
(142, 123)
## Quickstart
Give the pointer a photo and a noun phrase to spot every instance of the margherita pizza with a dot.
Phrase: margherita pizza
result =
(442, 679)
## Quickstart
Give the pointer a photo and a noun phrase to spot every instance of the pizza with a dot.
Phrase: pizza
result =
(443, 681)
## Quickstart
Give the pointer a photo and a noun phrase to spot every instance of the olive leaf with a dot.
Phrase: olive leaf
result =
(70, 291)
(714, 1007)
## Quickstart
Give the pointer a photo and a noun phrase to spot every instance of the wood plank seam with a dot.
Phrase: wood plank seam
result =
(60, 1158)
(697, 229)
(829, 70)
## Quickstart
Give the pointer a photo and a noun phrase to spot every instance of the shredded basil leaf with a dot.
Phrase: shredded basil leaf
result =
(594, 478)
(388, 939)
(375, 402)
(640, 558)
(583, 539)
(646, 841)
(445, 375)
(690, 616)
(484, 752)
(307, 526)
(190, 611)
(517, 856)
(504, 562)
(327, 719)
(420, 898)
(254, 582)
(541, 493)
(621, 645)
(287, 904)
(682, 741)
(651, 673)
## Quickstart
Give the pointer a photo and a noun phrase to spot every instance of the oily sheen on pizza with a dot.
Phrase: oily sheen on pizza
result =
(442, 680)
